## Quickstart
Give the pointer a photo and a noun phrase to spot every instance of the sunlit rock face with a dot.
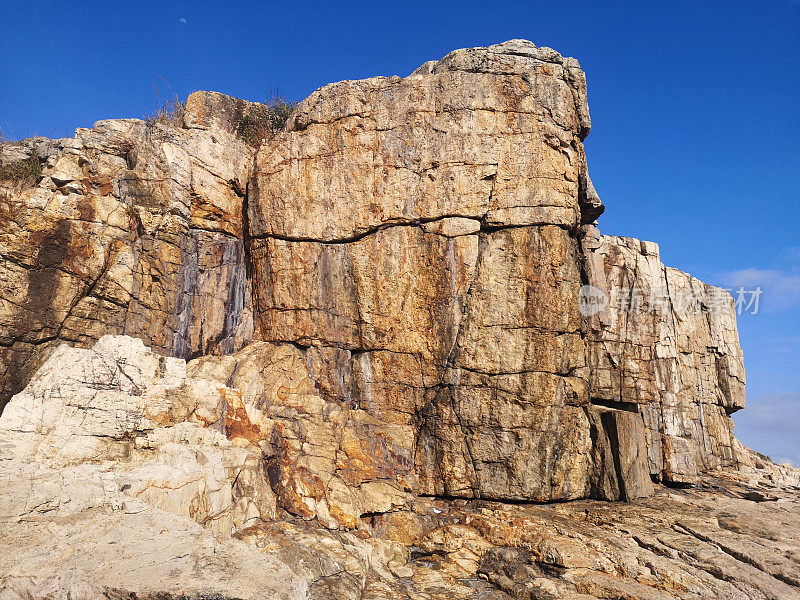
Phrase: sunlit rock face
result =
(135, 227)
(422, 240)
(126, 473)
(433, 231)
(352, 359)
(670, 351)
(425, 228)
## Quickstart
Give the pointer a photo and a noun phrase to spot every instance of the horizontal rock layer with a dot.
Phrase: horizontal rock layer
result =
(431, 229)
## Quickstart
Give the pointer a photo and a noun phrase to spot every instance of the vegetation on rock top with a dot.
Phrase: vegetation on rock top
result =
(169, 112)
(268, 121)
(24, 172)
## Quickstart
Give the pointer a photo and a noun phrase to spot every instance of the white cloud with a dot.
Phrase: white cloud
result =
(781, 289)
(770, 424)
(793, 460)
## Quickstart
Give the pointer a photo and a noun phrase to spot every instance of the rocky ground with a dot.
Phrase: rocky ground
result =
(126, 474)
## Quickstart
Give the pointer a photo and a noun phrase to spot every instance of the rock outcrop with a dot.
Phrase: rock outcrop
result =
(421, 226)
(403, 332)
(429, 230)
(667, 348)
(135, 228)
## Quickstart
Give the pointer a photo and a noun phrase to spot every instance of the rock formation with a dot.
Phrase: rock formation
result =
(390, 361)
(136, 228)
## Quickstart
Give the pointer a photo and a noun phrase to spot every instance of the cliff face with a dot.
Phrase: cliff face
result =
(419, 230)
(410, 258)
(135, 228)
(670, 351)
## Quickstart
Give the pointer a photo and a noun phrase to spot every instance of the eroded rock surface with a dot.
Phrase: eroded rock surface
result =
(124, 473)
(425, 229)
(667, 348)
(429, 229)
(135, 227)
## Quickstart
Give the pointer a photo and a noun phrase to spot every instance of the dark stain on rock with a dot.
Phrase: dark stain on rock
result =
(43, 280)
(86, 209)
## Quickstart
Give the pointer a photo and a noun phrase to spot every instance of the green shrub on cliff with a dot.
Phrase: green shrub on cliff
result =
(24, 172)
(262, 124)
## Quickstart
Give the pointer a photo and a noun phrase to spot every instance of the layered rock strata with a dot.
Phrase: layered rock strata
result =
(430, 232)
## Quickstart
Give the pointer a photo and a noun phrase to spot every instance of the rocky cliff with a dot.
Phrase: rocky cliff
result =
(393, 360)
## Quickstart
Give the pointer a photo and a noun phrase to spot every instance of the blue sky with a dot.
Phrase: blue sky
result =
(694, 107)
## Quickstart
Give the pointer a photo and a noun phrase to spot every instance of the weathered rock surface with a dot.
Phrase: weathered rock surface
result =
(135, 228)
(428, 227)
(127, 474)
(392, 361)
(424, 227)
(667, 348)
